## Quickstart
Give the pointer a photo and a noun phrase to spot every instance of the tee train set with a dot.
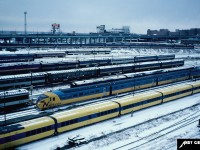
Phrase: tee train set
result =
(28, 131)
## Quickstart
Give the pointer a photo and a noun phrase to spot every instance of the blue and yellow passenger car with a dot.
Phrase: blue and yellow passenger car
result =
(27, 131)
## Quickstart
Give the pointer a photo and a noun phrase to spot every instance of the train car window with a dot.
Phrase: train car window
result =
(44, 129)
(53, 98)
(28, 133)
(80, 94)
(71, 122)
(62, 124)
(33, 132)
(106, 112)
(66, 123)
(75, 95)
(98, 114)
(39, 130)
(48, 128)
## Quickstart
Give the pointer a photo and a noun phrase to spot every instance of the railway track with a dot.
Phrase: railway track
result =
(19, 114)
(150, 139)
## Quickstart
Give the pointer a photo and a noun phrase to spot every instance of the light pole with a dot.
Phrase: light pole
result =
(133, 84)
(25, 22)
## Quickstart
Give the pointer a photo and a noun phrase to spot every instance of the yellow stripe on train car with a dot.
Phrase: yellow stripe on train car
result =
(82, 98)
(28, 126)
(85, 111)
(133, 88)
(175, 89)
(172, 80)
(139, 98)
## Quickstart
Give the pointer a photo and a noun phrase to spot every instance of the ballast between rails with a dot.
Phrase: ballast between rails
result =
(24, 132)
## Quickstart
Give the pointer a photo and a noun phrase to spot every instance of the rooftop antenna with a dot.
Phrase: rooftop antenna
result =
(25, 22)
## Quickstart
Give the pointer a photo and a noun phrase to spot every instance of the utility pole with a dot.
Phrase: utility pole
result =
(25, 22)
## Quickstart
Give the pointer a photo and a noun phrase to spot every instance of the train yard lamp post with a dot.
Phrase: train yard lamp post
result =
(133, 84)
(31, 87)
(25, 22)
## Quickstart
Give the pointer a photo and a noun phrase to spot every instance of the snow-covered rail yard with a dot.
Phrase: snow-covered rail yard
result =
(157, 127)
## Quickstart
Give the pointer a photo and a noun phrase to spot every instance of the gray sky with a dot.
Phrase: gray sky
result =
(85, 15)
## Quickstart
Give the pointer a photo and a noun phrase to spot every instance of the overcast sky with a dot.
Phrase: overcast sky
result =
(85, 15)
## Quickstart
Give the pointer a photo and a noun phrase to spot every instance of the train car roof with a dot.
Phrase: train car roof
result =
(49, 52)
(195, 83)
(179, 87)
(40, 122)
(131, 98)
(19, 54)
(111, 66)
(127, 75)
(103, 79)
(21, 75)
(146, 56)
(96, 107)
(10, 128)
(13, 92)
(20, 63)
(60, 92)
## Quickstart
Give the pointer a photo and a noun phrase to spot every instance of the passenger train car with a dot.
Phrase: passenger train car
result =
(28, 131)
(43, 66)
(7, 58)
(13, 98)
(102, 89)
(25, 80)
(49, 54)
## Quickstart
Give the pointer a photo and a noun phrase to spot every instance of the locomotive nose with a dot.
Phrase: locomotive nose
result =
(40, 101)
(39, 106)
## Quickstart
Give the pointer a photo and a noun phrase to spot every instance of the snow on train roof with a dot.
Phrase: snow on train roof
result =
(74, 70)
(19, 63)
(22, 75)
(122, 76)
(13, 92)
(94, 106)
(107, 67)
(46, 60)
(114, 77)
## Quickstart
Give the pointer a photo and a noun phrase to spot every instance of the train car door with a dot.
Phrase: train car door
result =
(104, 91)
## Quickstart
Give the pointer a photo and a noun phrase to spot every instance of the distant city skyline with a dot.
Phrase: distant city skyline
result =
(84, 15)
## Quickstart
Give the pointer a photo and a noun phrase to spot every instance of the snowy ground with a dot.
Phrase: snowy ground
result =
(135, 128)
